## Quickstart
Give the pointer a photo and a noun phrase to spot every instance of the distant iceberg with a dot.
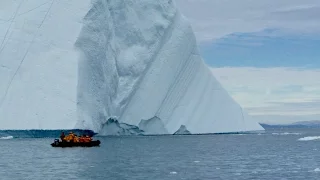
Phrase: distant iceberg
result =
(6, 137)
(115, 67)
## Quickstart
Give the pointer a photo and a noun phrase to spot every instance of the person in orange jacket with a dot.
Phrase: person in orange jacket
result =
(70, 137)
(87, 139)
(82, 139)
(75, 139)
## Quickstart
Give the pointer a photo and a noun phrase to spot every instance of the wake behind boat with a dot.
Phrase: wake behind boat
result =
(72, 140)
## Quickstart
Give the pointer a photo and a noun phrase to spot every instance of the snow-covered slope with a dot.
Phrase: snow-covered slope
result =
(135, 68)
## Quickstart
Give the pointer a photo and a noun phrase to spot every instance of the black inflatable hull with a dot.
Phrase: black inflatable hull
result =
(71, 144)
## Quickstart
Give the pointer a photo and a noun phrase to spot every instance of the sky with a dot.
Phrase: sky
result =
(265, 53)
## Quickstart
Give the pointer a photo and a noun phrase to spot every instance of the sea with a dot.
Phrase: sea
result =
(273, 154)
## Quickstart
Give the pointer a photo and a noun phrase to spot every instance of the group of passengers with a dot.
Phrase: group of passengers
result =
(72, 137)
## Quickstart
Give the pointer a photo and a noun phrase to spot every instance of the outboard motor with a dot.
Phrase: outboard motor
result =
(56, 141)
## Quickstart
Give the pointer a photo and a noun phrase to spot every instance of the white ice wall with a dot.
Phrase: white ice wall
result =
(38, 63)
(140, 62)
(77, 63)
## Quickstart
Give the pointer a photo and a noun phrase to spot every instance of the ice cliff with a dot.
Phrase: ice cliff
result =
(112, 66)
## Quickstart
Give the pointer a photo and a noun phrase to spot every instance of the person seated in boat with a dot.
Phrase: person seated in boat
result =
(62, 136)
(82, 139)
(75, 139)
(89, 138)
(86, 139)
(70, 137)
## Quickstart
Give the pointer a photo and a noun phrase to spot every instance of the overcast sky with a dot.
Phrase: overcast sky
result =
(265, 53)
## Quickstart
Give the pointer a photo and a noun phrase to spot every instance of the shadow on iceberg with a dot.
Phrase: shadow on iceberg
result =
(113, 128)
(153, 126)
(150, 127)
(182, 131)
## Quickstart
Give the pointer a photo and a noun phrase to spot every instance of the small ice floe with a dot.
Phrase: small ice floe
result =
(286, 133)
(316, 170)
(309, 138)
(196, 161)
(217, 168)
(6, 137)
(173, 172)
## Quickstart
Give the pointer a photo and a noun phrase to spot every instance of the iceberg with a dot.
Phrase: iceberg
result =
(114, 67)
(182, 130)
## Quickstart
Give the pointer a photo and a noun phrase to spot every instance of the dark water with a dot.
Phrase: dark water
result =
(42, 133)
(273, 155)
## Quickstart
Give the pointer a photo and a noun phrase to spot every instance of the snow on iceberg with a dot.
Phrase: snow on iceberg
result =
(114, 67)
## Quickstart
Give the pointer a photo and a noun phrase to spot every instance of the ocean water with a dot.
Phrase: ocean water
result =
(281, 154)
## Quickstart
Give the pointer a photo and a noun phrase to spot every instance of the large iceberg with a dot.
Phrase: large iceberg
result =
(112, 66)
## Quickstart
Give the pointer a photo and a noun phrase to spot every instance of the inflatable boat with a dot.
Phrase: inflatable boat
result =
(58, 143)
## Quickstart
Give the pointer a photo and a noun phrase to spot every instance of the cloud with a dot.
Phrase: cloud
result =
(213, 19)
(273, 92)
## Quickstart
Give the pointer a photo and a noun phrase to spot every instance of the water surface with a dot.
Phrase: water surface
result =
(273, 155)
